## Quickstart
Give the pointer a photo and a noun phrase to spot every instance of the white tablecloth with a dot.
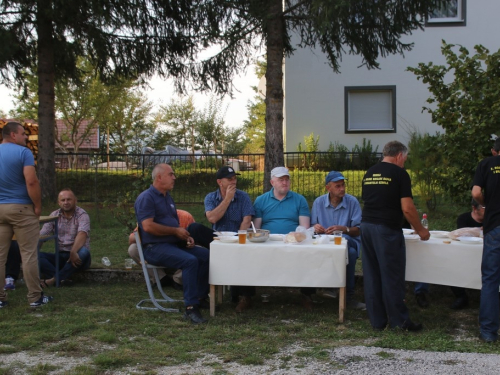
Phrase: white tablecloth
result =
(434, 262)
(274, 263)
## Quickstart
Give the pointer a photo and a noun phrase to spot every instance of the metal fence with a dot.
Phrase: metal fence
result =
(102, 177)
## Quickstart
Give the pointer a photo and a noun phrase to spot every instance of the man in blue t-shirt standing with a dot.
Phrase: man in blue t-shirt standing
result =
(387, 198)
(486, 192)
(20, 208)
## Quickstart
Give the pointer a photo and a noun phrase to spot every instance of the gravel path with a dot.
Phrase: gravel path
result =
(345, 360)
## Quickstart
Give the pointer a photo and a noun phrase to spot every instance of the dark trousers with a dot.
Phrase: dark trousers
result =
(193, 262)
(203, 236)
(13, 264)
(384, 267)
(490, 277)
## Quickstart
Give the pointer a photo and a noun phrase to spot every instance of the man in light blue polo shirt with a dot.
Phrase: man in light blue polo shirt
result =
(280, 210)
(335, 211)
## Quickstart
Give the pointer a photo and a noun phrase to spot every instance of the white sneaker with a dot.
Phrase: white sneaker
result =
(331, 293)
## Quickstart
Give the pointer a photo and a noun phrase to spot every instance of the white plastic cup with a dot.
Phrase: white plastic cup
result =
(106, 261)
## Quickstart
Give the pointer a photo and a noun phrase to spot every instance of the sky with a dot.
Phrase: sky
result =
(163, 90)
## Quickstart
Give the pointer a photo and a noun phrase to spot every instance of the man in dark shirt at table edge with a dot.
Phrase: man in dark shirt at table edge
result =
(486, 191)
(387, 197)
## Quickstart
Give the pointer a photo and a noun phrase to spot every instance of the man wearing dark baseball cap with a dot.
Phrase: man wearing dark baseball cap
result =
(226, 172)
(228, 209)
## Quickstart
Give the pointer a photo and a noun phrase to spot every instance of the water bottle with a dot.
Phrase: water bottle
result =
(106, 261)
(425, 223)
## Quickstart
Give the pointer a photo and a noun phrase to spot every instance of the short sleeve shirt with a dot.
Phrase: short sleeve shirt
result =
(280, 217)
(384, 185)
(13, 159)
(68, 228)
(487, 176)
(240, 206)
(161, 208)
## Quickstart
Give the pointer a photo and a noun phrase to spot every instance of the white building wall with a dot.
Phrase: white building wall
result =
(314, 94)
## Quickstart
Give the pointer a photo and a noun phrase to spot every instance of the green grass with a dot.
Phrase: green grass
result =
(99, 320)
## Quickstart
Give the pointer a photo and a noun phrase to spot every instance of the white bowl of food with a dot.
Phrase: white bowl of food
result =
(228, 238)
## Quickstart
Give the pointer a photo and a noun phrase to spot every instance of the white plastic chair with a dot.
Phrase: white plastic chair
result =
(156, 302)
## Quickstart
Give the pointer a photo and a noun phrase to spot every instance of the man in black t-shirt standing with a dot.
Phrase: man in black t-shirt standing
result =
(387, 198)
(486, 191)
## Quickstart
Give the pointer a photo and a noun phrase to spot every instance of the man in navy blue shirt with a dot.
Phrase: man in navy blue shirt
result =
(167, 244)
(228, 209)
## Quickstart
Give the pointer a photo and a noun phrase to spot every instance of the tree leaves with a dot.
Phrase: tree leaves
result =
(465, 98)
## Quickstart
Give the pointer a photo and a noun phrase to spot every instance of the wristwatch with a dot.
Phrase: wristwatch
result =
(347, 229)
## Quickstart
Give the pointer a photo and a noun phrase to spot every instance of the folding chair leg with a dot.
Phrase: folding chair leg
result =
(152, 299)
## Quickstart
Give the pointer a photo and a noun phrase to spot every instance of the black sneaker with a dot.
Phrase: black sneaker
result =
(487, 338)
(3, 304)
(194, 315)
(411, 327)
(42, 301)
(421, 300)
(460, 303)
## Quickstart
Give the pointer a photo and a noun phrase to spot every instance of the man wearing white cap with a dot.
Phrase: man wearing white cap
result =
(280, 210)
(335, 211)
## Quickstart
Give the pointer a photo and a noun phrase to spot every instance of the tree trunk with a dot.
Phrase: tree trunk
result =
(46, 112)
(274, 91)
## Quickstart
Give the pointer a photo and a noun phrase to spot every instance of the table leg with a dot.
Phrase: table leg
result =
(212, 300)
(220, 294)
(342, 302)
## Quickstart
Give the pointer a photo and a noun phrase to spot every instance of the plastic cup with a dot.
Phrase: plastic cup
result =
(337, 237)
(106, 261)
(242, 237)
(129, 263)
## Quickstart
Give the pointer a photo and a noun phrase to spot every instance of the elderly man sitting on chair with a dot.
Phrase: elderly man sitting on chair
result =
(166, 244)
(168, 277)
(335, 211)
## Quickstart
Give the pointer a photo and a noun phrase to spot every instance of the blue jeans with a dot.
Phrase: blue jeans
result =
(490, 271)
(350, 270)
(193, 262)
(66, 269)
(384, 267)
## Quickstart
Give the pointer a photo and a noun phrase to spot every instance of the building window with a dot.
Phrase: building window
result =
(450, 13)
(370, 109)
